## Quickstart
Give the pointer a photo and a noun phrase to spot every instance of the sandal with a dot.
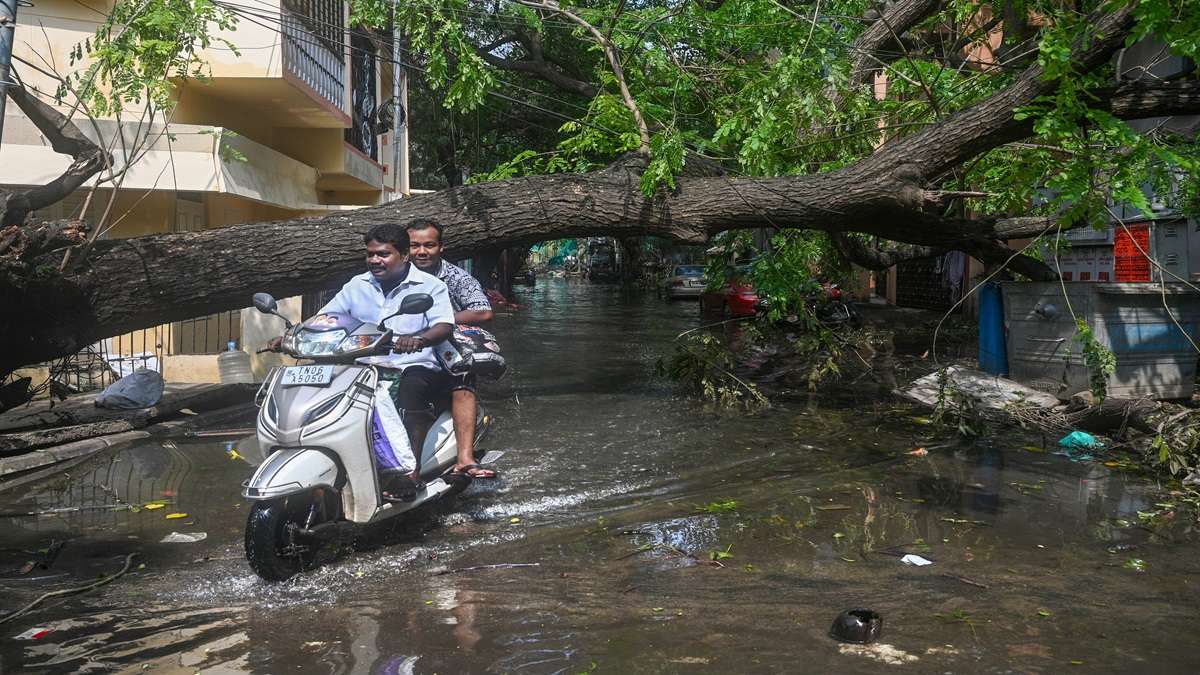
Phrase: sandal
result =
(469, 470)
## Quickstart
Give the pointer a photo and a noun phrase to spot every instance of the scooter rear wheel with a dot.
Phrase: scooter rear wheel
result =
(271, 546)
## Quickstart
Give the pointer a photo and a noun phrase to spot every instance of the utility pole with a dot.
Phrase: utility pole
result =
(8, 30)
(399, 114)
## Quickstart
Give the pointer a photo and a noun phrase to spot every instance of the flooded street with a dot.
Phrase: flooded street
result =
(632, 530)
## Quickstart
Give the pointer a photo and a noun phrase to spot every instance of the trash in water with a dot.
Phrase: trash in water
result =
(859, 626)
(1135, 564)
(918, 452)
(36, 633)
(1080, 439)
(917, 560)
(184, 537)
(175, 516)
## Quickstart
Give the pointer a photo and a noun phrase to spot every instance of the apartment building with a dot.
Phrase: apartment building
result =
(288, 126)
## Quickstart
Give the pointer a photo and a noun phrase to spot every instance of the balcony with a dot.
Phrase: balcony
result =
(292, 70)
(313, 53)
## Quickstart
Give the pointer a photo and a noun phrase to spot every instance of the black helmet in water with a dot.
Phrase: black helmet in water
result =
(861, 626)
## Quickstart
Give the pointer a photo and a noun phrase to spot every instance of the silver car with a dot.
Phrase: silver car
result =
(685, 281)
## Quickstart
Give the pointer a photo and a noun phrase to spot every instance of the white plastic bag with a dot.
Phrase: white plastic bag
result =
(399, 455)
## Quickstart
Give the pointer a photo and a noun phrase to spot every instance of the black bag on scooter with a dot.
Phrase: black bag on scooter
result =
(473, 350)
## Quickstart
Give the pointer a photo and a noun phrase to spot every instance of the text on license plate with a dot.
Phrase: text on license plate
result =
(310, 375)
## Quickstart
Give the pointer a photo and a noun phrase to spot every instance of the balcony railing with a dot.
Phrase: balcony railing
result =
(313, 36)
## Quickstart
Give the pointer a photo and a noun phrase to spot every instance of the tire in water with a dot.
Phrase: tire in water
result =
(270, 549)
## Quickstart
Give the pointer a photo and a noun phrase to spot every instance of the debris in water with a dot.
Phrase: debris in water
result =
(860, 626)
(880, 652)
(184, 538)
(912, 559)
(1135, 564)
(514, 520)
(36, 633)
(918, 452)
(175, 516)
(150, 506)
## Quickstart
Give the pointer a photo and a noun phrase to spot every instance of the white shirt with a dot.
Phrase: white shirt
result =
(363, 298)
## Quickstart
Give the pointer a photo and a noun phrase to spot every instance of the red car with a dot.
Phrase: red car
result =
(735, 298)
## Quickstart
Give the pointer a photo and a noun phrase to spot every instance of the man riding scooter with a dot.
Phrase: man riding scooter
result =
(416, 375)
(471, 307)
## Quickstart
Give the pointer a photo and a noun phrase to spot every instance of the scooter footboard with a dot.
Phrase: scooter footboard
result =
(289, 471)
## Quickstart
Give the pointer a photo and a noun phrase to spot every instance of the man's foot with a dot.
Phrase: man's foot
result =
(402, 489)
(473, 470)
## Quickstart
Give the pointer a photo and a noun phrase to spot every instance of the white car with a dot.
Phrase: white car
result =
(685, 281)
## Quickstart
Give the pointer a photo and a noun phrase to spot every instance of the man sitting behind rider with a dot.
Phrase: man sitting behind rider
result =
(415, 373)
(471, 306)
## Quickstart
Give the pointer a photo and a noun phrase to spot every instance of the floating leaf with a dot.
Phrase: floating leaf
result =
(514, 520)
(1043, 613)
(176, 516)
(1135, 564)
(838, 535)
(657, 609)
(150, 506)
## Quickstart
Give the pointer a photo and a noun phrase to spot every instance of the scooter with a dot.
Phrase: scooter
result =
(320, 484)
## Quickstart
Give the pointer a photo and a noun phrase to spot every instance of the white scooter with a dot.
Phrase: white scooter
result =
(319, 483)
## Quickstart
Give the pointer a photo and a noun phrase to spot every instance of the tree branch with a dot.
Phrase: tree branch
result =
(65, 138)
(614, 62)
(882, 255)
(898, 18)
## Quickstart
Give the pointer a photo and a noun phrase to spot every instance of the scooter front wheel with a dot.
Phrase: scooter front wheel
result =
(272, 548)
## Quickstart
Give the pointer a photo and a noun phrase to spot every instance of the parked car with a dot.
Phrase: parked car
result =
(685, 281)
(736, 297)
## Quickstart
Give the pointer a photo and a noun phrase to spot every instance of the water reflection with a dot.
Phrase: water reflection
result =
(625, 494)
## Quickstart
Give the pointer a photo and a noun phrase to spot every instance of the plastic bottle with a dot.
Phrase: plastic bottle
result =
(234, 365)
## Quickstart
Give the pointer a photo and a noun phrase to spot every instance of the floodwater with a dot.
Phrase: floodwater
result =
(632, 531)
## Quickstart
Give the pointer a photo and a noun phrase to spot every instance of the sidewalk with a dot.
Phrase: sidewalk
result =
(40, 434)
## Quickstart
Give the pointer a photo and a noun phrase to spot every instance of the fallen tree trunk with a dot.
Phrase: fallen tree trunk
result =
(137, 283)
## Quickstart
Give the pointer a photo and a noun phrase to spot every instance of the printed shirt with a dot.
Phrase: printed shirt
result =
(363, 298)
(465, 290)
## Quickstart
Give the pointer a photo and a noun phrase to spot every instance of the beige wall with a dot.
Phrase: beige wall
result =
(259, 328)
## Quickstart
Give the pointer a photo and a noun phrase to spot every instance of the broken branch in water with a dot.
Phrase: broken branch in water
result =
(497, 566)
(965, 580)
(72, 591)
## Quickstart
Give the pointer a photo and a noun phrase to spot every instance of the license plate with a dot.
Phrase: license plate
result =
(307, 375)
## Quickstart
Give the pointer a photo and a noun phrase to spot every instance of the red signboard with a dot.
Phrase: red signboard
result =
(1130, 263)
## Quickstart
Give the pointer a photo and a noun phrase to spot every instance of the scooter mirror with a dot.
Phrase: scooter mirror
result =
(417, 303)
(264, 303)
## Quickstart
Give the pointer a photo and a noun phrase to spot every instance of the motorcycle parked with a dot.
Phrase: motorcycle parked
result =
(320, 484)
(833, 309)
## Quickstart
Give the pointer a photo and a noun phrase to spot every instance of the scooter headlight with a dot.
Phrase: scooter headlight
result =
(318, 343)
(355, 343)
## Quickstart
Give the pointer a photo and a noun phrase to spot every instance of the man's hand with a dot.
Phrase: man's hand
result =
(407, 344)
(274, 344)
